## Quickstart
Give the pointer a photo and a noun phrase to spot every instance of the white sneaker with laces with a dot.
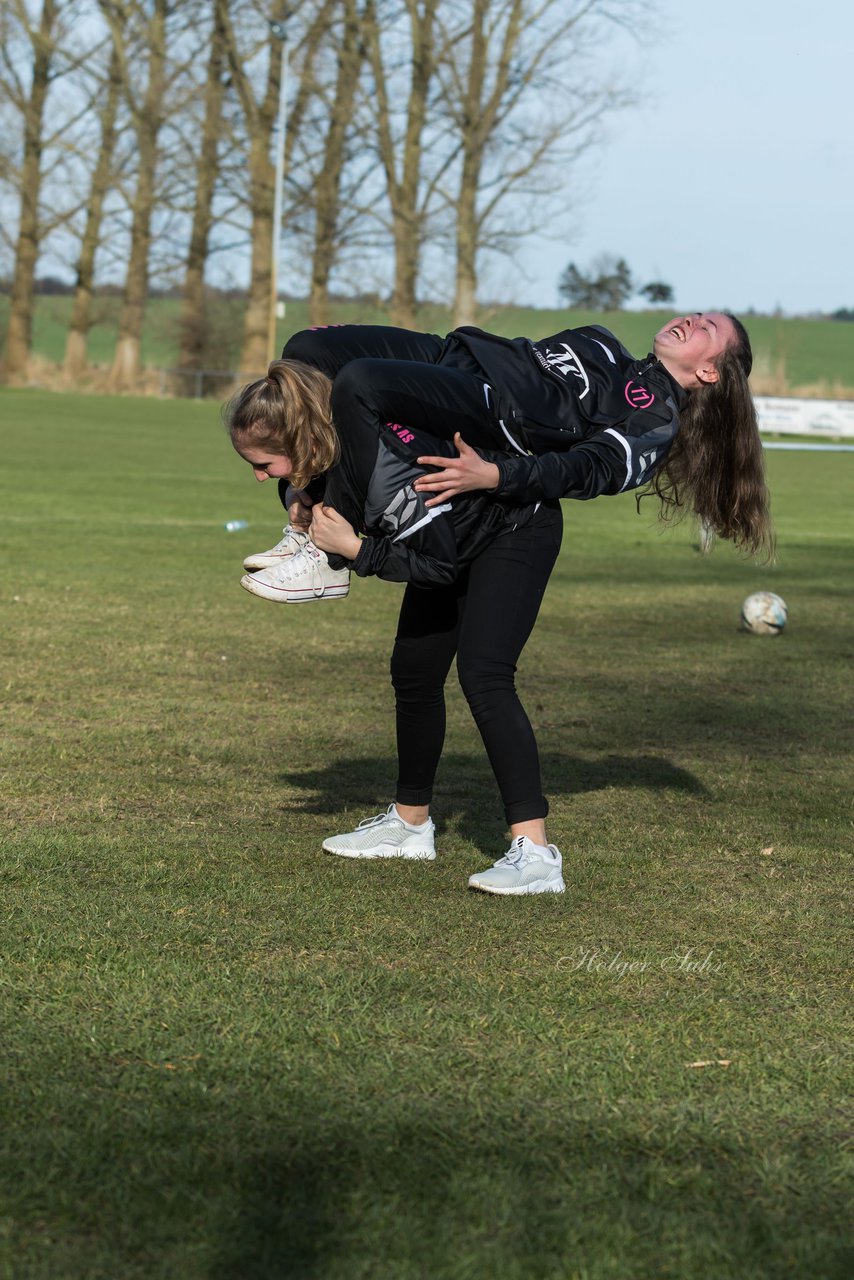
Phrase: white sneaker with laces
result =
(525, 868)
(291, 542)
(385, 836)
(306, 575)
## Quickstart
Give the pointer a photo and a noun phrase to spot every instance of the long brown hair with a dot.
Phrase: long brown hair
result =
(716, 463)
(288, 412)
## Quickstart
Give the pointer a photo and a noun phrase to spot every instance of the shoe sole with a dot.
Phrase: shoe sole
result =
(382, 851)
(517, 890)
(265, 562)
(285, 595)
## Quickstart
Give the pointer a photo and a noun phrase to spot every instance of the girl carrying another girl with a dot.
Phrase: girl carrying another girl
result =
(450, 456)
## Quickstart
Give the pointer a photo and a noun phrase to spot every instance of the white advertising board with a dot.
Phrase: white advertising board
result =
(831, 419)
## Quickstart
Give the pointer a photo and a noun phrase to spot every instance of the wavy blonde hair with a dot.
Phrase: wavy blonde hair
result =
(288, 412)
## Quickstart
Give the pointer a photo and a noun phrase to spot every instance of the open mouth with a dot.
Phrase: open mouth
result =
(678, 332)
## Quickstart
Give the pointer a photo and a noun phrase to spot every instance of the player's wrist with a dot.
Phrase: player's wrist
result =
(492, 477)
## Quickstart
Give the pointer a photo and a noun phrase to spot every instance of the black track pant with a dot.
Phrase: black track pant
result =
(393, 375)
(329, 348)
(486, 616)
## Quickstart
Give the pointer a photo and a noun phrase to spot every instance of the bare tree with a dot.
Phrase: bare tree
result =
(326, 193)
(138, 30)
(31, 106)
(519, 95)
(412, 124)
(259, 113)
(402, 156)
(102, 176)
(207, 168)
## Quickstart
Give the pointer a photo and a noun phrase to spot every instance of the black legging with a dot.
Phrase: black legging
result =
(486, 616)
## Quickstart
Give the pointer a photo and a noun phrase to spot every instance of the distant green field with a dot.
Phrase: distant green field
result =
(228, 1056)
(790, 355)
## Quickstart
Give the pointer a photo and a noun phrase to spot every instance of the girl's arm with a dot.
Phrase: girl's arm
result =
(332, 533)
(421, 548)
(429, 559)
(407, 540)
(609, 461)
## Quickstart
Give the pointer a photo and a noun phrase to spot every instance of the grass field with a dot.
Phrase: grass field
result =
(230, 1056)
(793, 356)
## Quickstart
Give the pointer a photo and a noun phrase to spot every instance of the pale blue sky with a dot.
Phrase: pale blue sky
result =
(734, 181)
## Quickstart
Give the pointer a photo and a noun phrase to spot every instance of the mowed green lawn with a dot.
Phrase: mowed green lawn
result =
(229, 1055)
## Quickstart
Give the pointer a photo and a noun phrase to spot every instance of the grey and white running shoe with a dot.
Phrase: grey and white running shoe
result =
(385, 836)
(525, 868)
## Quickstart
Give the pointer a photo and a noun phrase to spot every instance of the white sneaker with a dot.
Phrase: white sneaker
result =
(297, 578)
(525, 868)
(292, 541)
(385, 836)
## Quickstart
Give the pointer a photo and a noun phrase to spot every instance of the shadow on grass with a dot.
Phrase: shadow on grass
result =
(360, 780)
(446, 1196)
(466, 792)
(363, 1180)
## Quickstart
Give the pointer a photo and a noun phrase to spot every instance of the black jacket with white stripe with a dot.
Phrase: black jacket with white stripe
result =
(404, 540)
(576, 414)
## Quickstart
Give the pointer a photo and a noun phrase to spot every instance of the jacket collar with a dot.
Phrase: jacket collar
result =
(652, 365)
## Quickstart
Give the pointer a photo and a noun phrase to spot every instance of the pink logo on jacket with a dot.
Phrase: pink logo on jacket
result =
(638, 397)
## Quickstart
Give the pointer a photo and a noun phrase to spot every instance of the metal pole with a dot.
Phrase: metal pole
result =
(279, 30)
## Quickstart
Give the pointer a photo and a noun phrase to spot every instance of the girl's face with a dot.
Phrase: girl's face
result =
(264, 463)
(690, 346)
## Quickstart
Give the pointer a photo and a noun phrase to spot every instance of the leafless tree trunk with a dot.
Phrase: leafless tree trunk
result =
(74, 363)
(147, 114)
(259, 115)
(403, 165)
(327, 186)
(19, 331)
(509, 54)
(193, 310)
(480, 113)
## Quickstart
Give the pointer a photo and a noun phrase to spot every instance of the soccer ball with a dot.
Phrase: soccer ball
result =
(764, 614)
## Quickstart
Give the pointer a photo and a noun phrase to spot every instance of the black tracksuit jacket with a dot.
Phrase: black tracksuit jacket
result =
(579, 415)
(574, 415)
(404, 540)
